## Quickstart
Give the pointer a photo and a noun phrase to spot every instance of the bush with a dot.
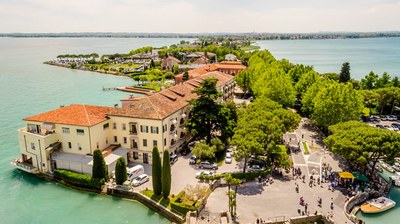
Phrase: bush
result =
(79, 179)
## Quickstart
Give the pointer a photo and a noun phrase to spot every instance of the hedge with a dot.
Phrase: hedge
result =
(79, 179)
(183, 208)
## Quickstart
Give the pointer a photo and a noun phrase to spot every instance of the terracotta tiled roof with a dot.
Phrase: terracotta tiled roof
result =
(194, 73)
(75, 114)
(202, 60)
(166, 102)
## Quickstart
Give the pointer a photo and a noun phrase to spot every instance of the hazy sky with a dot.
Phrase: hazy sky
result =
(192, 16)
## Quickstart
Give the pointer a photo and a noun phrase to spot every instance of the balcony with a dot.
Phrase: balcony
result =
(133, 132)
(25, 166)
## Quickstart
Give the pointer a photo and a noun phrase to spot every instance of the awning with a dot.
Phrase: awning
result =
(360, 177)
(346, 175)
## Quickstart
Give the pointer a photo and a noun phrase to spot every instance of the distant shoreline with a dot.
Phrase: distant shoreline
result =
(251, 36)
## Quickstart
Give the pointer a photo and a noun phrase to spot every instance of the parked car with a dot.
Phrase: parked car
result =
(205, 173)
(173, 158)
(255, 168)
(379, 126)
(141, 179)
(228, 157)
(208, 165)
(395, 127)
(192, 160)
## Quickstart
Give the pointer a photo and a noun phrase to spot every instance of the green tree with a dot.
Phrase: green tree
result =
(307, 100)
(205, 118)
(395, 82)
(99, 169)
(336, 103)
(260, 128)
(369, 81)
(344, 75)
(203, 151)
(166, 175)
(383, 81)
(360, 143)
(306, 80)
(229, 114)
(156, 171)
(120, 171)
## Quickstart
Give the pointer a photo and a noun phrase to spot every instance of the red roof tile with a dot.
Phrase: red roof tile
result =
(166, 102)
(75, 114)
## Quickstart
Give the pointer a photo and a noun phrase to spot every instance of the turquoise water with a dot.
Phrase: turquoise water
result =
(376, 54)
(28, 87)
(388, 217)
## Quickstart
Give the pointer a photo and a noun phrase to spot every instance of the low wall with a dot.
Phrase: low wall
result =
(148, 202)
(352, 202)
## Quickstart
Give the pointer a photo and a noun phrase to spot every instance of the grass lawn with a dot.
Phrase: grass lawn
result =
(158, 198)
(306, 151)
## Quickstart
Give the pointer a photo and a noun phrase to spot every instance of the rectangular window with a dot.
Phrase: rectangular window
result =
(144, 142)
(114, 125)
(69, 145)
(135, 155)
(154, 130)
(165, 141)
(154, 143)
(65, 130)
(123, 127)
(115, 139)
(105, 126)
(79, 146)
(165, 128)
(32, 146)
(80, 131)
(144, 129)
(125, 140)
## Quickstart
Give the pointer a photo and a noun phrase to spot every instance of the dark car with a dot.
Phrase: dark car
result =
(380, 126)
(208, 165)
(192, 160)
(173, 158)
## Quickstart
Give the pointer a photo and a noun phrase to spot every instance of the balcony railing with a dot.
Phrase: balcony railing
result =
(133, 132)
(27, 167)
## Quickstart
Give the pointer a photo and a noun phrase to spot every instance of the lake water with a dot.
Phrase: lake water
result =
(28, 87)
(365, 55)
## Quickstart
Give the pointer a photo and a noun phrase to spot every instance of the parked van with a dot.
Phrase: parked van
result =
(135, 172)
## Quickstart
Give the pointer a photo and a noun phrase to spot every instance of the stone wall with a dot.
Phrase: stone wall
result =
(148, 202)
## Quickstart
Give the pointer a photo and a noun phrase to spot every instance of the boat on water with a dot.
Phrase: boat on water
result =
(387, 167)
(397, 159)
(396, 168)
(377, 205)
(395, 180)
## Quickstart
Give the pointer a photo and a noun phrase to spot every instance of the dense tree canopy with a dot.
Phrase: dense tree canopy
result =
(206, 112)
(260, 128)
(336, 103)
(360, 143)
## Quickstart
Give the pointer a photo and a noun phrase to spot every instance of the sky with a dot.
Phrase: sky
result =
(197, 16)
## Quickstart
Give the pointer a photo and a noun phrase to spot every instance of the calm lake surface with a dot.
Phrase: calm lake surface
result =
(28, 87)
(376, 54)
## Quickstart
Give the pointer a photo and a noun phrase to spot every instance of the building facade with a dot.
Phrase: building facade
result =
(65, 138)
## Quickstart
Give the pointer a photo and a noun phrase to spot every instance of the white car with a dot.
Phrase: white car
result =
(141, 179)
(228, 157)
(205, 173)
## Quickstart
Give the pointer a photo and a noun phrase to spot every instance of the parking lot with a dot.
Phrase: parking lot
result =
(389, 122)
(183, 173)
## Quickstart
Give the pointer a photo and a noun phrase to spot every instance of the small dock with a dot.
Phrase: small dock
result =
(109, 88)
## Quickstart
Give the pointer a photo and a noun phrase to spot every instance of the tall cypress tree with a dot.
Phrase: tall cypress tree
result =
(344, 75)
(99, 169)
(166, 175)
(156, 171)
(120, 171)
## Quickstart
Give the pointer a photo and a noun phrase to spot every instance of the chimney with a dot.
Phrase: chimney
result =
(116, 105)
(131, 96)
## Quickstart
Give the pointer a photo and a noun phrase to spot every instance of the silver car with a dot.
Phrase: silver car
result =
(141, 179)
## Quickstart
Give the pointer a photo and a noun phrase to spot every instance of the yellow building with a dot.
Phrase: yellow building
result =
(65, 138)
